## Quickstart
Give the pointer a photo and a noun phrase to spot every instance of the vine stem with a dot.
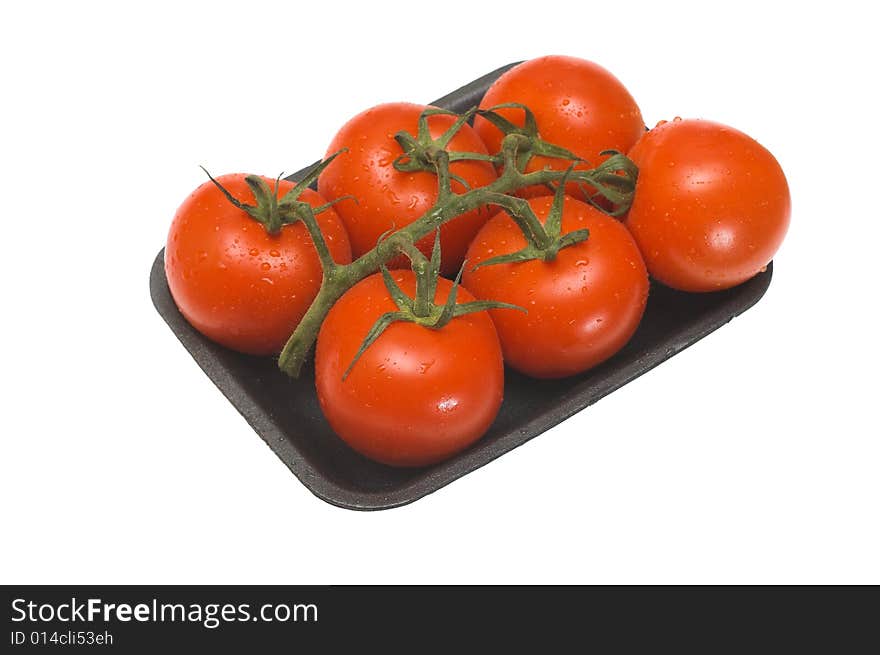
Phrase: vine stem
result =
(338, 278)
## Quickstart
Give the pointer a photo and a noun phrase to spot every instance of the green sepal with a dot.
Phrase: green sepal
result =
(327, 205)
(448, 312)
(527, 254)
(553, 224)
(262, 193)
(572, 238)
(433, 271)
(529, 127)
(483, 305)
(314, 172)
(375, 332)
(231, 198)
(404, 303)
(453, 129)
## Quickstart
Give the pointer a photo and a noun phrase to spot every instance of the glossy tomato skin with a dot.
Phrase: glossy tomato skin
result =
(582, 307)
(388, 198)
(234, 282)
(577, 105)
(711, 205)
(416, 396)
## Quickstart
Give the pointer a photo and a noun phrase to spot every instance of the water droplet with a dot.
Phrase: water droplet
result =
(274, 253)
(265, 266)
(387, 158)
(253, 252)
(447, 404)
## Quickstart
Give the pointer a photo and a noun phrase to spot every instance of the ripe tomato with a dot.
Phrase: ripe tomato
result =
(388, 198)
(234, 282)
(711, 205)
(583, 306)
(577, 105)
(416, 395)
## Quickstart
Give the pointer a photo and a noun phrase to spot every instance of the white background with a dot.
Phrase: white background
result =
(751, 457)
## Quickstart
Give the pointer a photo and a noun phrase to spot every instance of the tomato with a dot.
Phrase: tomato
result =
(233, 281)
(711, 205)
(416, 395)
(388, 198)
(583, 306)
(577, 105)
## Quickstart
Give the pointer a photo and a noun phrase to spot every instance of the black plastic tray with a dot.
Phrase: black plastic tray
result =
(285, 412)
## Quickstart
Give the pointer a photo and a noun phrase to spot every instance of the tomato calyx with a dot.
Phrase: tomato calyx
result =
(543, 242)
(614, 179)
(422, 310)
(535, 145)
(422, 152)
(273, 212)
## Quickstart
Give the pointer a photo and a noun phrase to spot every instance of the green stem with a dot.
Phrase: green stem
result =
(520, 211)
(341, 277)
(307, 216)
(424, 285)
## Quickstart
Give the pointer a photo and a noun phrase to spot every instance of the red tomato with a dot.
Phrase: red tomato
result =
(234, 282)
(388, 198)
(583, 306)
(577, 105)
(417, 395)
(711, 205)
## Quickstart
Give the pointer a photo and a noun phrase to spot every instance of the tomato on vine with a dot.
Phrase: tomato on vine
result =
(408, 366)
(431, 159)
(576, 105)
(578, 274)
(388, 170)
(244, 274)
(711, 205)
